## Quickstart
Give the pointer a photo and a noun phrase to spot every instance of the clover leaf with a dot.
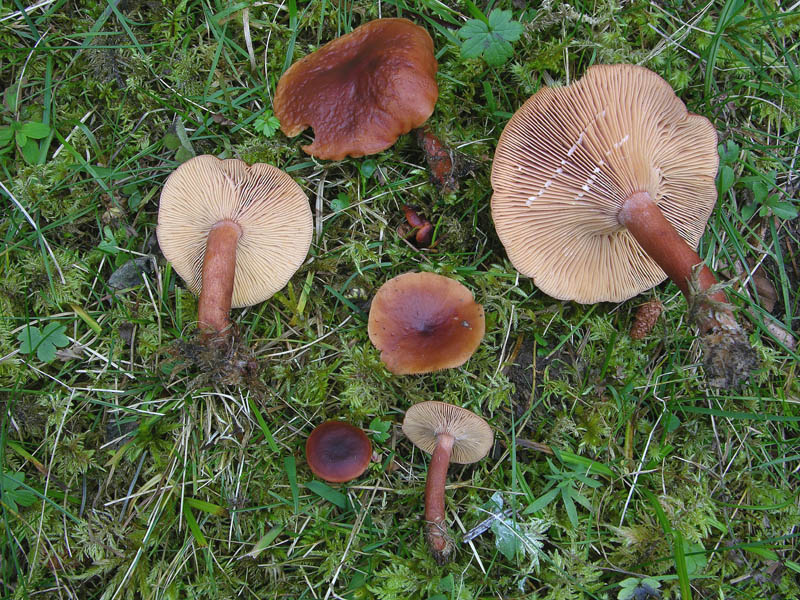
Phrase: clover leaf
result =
(490, 39)
(44, 342)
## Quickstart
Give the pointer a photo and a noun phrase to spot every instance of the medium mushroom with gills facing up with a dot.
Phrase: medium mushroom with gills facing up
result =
(603, 188)
(234, 232)
(361, 91)
(337, 451)
(424, 322)
(450, 434)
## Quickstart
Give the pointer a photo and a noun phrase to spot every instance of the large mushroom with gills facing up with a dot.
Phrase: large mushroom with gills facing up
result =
(424, 322)
(361, 91)
(234, 232)
(603, 188)
(450, 434)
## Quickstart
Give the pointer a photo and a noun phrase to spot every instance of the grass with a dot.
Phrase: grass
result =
(130, 472)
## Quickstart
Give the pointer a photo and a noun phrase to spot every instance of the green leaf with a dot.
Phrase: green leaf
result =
(55, 334)
(500, 23)
(447, 584)
(6, 135)
(474, 47)
(542, 501)
(44, 343)
(473, 28)
(728, 153)
(35, 130)
(498, 52)
(781, 208)
(368, 167)
(267, 123)
(182, 155)
(22, 139)
(747, 211)
(265, 541)
(695, 557)
(759, 192)
(12, 493)
(208, 507)
(327, 492)
(30, 152)
(171, 141)
(194, 528)
(726, 179)
(505, 538)
(492, 39)
(380, 429)
(572, 513)
(341, 202)
(29, 339)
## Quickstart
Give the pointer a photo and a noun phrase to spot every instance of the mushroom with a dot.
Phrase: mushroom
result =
(603, 188)
(361, 91)
(337, 451)
(423, 322)
(450, 434)
(235, 233)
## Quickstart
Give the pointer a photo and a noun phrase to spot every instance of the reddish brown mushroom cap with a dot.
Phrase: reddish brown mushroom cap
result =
(361, 91)
(337, 451)
(423, 322)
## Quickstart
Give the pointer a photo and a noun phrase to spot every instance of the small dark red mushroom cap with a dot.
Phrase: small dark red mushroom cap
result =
(337, 451)
(423, 322)
(361, 91)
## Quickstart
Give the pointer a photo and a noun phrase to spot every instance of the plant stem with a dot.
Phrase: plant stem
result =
(219, 270)
(434, 498)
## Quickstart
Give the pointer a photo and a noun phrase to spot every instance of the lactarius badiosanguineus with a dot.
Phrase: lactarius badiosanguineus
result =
(423, 322)
(361, 91)
(234, 232)
(603, 188)
(337, 451)
(450, 434)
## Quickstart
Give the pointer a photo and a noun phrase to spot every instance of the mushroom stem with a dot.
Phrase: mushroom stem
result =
(434, 498)
(219, 269)
(642, 217)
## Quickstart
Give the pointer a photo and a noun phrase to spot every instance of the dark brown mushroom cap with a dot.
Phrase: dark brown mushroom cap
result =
(423, 322)
(472, 436)
(570, 157)
(337, 451)
(361, 91)
(269, 207)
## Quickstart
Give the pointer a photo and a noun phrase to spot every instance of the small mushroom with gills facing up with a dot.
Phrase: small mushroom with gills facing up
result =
(424, 322)
(603, 188)
(450, 434)
(234, 232)
(337, 451)
(361, 91)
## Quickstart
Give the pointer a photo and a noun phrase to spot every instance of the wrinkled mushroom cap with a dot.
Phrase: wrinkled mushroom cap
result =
(425, 421)
(337, 451)
(423, 322)
(361, 91)
(569, 158)
(269, 207)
